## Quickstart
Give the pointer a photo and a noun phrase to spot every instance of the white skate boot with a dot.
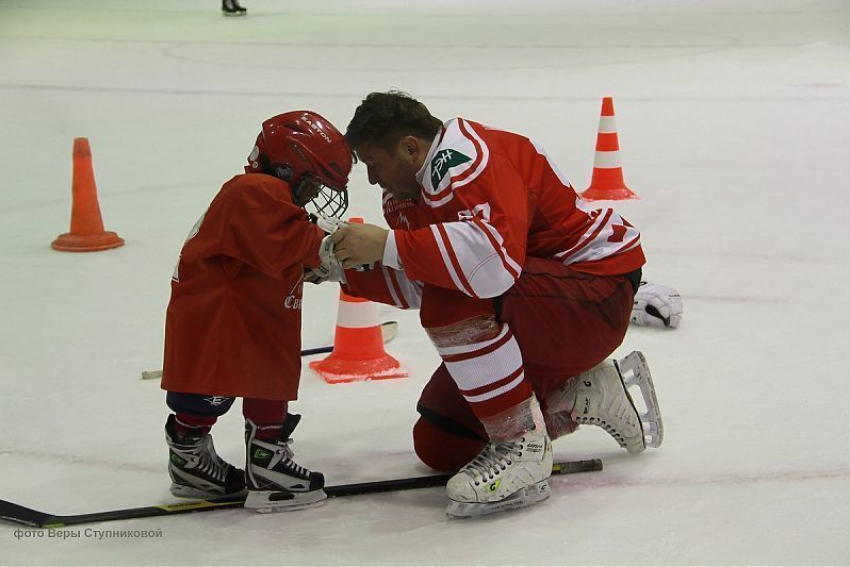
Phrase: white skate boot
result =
(504, 476)
(275, 482)
(601, 397)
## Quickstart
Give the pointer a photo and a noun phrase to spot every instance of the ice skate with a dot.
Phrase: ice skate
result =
(601, 397)
(232, 8)
(504, 476)
(196, 470)
(275, 482)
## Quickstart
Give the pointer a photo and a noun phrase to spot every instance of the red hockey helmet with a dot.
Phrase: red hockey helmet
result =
(308, 152)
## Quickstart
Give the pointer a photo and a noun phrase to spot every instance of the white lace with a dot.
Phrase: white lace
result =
(493, 460)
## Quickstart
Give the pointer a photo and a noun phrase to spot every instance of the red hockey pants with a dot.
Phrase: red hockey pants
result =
(565, 322)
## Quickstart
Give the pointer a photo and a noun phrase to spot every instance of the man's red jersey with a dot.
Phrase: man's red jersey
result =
(489, 199)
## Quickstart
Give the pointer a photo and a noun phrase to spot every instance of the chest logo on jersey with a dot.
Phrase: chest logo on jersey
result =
(294, 299)
(403, 221)
(443, 161)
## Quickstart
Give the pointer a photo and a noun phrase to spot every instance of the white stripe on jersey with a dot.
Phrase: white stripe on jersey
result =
(561, 177)
(434, 204)
(411, 291)
(447, 261)
(596, 243)
(459, 137)
(498, 238)
(389, 282)
(485, 155)
(480, 263)
(583, 241)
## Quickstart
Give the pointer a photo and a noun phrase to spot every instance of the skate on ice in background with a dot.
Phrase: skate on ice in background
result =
(601, 397)
(232, 8)
(275, 482)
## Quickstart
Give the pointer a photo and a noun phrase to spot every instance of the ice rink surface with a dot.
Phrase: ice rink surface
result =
(734, 125)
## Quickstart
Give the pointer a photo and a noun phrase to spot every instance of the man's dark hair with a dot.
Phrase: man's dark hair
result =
(382, 119)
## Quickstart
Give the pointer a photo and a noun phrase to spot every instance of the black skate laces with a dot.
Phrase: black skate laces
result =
(210, 463)
(287, 461)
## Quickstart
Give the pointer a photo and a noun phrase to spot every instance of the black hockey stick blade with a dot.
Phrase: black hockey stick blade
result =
(17, 514)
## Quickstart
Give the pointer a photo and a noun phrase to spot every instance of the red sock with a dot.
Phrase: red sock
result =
(267, 414)
(187, 424)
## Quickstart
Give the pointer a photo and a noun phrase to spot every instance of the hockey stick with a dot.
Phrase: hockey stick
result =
(389, 330)
(22, 515)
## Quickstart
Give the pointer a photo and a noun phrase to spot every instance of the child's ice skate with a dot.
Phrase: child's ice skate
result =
(196, 470)
(275, 482)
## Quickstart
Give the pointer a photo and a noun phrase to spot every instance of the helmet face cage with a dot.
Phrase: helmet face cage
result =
(328, 202)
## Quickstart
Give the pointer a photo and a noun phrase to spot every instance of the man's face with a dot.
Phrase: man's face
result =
(394, 170)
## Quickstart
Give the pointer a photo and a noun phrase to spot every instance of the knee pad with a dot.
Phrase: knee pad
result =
(198, 404)
(441, 450)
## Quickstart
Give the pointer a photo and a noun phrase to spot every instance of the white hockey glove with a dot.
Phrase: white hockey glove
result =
(657, 306)
(330, 270)
(330, 224)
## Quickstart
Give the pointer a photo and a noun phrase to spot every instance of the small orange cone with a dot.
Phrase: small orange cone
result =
(607, 182)
(358, 353)
(87, 234)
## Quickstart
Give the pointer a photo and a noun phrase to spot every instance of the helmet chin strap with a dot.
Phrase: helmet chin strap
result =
(285, 174)
(282, 172)
(334, 204)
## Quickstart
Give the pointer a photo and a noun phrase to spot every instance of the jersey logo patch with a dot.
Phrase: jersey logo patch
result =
(442, 162)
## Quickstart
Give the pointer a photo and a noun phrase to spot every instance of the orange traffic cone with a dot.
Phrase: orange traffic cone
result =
(87, 234)
(358, 352)
(607, 183)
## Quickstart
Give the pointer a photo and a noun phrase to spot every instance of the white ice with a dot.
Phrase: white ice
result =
(734, 124)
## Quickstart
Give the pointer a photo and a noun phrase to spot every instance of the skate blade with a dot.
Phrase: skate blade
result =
(520, 499)
(635, 372)
(182, 491)
(270, 501)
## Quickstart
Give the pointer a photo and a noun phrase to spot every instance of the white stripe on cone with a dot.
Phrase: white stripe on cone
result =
(607, 125)
(357, 315)
(607, 160)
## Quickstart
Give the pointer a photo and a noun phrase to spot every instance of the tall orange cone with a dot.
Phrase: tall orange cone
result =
(87, 234)
(358, 353)
(607, 182)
